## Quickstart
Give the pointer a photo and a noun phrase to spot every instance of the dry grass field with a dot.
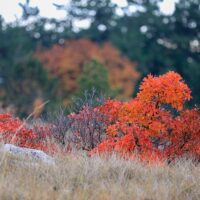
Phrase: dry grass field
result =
(77, 177)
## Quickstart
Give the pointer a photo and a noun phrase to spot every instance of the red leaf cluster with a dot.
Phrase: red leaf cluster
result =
(147, 126)
(15, 131)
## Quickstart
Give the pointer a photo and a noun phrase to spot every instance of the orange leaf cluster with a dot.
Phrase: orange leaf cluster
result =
(67, 61)
(147, 127)
(168, 89)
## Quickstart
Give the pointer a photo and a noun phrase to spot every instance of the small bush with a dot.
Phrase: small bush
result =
(147, 128)
(88, 127)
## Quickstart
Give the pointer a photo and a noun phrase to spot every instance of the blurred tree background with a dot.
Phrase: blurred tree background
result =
(51, 59)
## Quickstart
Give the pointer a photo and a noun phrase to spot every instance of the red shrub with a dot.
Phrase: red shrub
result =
(15, 131)
(146, 126)
(185, 135)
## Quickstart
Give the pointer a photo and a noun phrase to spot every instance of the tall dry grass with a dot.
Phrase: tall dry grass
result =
(77, 177)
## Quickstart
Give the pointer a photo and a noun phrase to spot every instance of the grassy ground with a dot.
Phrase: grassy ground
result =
(82, 178)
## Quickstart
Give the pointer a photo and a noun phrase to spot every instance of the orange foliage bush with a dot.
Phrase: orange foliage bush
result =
(66, 62)
(147, 126)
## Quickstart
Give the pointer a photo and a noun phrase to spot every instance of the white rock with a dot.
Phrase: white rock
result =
(32, 153)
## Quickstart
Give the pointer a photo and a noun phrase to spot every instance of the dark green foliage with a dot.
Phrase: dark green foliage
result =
(94, 75)
(101, 14)
(157, 42)
(22, 78)
(23, 82)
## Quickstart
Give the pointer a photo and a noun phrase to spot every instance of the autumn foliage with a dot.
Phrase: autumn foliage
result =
(16, 131)
(67, 61)
(153, 126)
